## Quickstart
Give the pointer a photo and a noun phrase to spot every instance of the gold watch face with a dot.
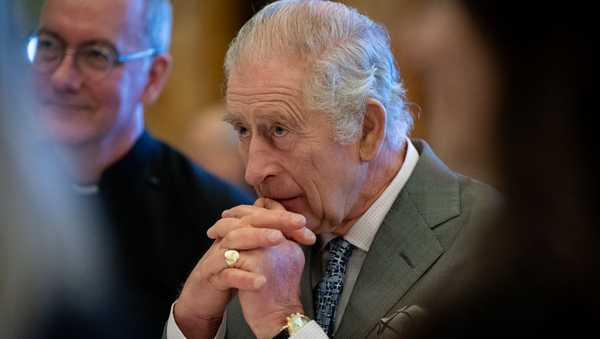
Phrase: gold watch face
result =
(295, 322)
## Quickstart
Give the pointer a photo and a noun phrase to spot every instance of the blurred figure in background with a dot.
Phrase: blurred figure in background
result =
(447, 70)
(95, 66)
(456, 74)
(214, 145)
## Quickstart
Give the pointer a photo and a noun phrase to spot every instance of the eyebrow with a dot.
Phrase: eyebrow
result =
(233, 118)
(49, 32)
(87, 42)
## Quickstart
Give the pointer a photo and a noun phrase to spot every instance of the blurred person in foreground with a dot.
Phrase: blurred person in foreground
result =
(95, 65)
(545, 55)
(545, 245)
(319, 107)
(51, 248)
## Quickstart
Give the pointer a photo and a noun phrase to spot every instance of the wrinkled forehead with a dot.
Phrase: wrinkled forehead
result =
(276, 81)
(118, 21)
(272, 71)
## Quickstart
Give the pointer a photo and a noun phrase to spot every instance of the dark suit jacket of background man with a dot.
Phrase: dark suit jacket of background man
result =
(158, 206)
(417, 256)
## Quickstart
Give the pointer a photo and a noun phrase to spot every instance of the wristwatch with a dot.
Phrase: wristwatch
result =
(295, 322)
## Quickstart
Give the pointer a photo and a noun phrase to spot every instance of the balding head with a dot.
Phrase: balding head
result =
(152, 19)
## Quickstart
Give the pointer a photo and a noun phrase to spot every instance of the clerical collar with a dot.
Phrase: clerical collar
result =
(85, 189)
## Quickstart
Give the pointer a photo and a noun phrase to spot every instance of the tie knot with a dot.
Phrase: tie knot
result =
(339, 250)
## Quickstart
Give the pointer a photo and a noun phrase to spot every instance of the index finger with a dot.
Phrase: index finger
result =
(292, 225)
(240, 211)
(277, 219)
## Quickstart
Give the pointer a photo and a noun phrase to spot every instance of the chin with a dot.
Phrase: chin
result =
(68, 135)
(67, 130)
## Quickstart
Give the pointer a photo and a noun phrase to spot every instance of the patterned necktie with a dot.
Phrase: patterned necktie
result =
(328, 291)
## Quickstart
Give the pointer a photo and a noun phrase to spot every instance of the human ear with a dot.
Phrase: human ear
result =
(373, 130)
(157, 77)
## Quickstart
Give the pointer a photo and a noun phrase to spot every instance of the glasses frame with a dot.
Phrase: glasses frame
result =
(117, 60)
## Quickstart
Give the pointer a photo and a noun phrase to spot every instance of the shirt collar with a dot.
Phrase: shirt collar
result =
(125, 169)
(362, 233)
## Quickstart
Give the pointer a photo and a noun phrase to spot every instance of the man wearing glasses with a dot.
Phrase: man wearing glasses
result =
(95, 65)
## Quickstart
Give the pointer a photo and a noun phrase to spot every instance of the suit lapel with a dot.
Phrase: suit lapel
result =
(405, 245)
(311, 264)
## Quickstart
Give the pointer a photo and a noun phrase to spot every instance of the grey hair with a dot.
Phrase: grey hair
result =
(158, 23)
(350, 61)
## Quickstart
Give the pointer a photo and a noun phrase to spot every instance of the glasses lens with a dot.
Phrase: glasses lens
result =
(96, 60)
(44, 52)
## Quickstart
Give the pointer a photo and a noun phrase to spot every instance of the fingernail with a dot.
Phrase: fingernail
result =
(259, 282)
(210, 234)
(299, 219)
(310, 235)
(225, 213)
(274, 236)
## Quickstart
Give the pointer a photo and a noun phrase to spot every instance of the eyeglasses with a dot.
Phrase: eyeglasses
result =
(95, 60)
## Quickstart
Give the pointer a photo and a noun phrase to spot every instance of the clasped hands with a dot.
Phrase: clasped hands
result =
(266, 276)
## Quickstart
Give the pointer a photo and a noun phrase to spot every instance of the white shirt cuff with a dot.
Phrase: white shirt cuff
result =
(173, 331)
(312, 330)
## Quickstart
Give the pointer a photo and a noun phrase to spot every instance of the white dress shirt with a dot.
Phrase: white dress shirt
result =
(361, 235)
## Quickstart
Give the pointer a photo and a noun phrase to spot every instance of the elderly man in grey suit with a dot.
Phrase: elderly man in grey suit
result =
(315, 97)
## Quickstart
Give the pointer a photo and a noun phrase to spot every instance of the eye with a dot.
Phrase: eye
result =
(47, 43)
(242, 131)
(279, 131)
(43, 49)
(96, 57)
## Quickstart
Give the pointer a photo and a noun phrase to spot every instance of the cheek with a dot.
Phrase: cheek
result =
(112, 98)
(242, 147)
(329, 199)
(316, 191)
(121, 91)
(335, 185)
(40, 84)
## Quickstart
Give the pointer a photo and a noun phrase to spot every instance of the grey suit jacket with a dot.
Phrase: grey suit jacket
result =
(416, 257)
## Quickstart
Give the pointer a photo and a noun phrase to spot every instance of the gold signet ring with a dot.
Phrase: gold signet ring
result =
(231, 257)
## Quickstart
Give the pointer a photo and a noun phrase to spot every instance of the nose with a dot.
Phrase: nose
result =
(67, 77)
(260, 162)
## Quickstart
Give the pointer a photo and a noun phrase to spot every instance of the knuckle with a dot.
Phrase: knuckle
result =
(216, 282)
(283, 215)
(248, 262)
(244, 221)
(239, 209)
